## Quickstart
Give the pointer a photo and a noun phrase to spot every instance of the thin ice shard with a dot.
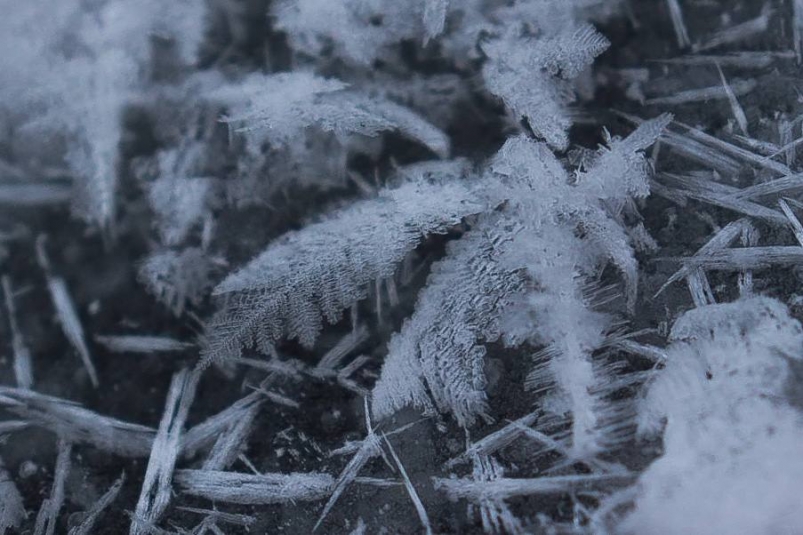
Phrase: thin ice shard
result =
(736, 108)
(65, 311)
(739, 32)
(495, 441)
(91, 517)
(676, 13)
(23, 369)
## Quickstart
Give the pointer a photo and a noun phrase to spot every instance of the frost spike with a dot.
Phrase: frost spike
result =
(65, 310)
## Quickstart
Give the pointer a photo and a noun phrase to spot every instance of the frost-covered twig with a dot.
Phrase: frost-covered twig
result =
(156, 487)
(737, 88)
(23, 369)
(65, 311)
(248, 489)
(742, 258)
(503, 488)
(77, 424)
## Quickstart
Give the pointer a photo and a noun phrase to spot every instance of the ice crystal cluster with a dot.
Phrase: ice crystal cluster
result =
(412, 204)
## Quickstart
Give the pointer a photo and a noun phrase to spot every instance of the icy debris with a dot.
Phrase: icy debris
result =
(156, 487)
(66, 311)
(91, 516)
(23, 369)
(248, 489)
(712, 151)
(496, 517)
(141, 343)
(702, 188)
(49, 510)
(77, 424)
(12, 510)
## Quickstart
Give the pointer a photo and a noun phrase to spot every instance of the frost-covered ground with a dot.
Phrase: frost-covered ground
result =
(434, 266)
